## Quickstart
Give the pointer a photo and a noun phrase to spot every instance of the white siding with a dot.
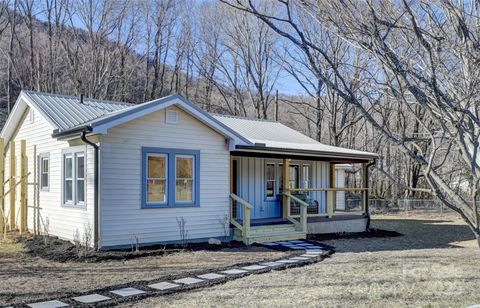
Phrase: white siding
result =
(121, 213)
(63, 221)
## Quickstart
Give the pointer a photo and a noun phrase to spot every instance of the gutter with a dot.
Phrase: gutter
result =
(96, 201)
(367, 212)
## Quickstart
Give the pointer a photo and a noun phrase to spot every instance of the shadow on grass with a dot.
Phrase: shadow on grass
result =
(417, 234)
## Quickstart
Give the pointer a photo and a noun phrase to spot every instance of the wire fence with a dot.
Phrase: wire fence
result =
(406, 205)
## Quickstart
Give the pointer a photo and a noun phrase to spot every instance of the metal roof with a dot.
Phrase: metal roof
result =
(276, 136)
(67, 112)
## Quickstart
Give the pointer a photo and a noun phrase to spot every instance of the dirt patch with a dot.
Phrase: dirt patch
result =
(58, 250)
(26, 277)
(373, 233)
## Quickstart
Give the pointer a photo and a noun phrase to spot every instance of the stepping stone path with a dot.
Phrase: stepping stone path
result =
(162, 286)
(312, 251)
(234, 272)
(48, 304)
(254, 267)
(127, 292)
(188, 280)
(211, 276)
(91, 298)
(271, 264)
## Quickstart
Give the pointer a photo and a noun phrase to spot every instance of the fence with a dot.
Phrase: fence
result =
(405, 205)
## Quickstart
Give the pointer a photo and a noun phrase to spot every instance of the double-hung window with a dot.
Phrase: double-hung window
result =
(156, 178)
(270, 180)
(74, 178)
(170, 177)
(44, 171)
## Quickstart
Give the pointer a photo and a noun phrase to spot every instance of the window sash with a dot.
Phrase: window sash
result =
(270, 180)
(74, 181)
(44, 172)
(154, 179)
(79, 179)
(185, 180)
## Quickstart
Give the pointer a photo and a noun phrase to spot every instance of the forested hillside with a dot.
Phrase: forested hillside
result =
(224, 59)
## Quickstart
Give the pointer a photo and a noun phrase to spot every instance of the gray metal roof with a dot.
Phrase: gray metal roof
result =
(66, 112)
(275, 135)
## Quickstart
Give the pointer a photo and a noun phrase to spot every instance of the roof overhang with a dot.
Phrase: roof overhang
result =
(22, 104)
(337, 157)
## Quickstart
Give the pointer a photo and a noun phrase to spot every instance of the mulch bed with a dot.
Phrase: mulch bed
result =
(59, 250)
(372, 233)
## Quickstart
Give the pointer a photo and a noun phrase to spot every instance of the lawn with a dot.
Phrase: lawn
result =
(24, 278)
(436, 263)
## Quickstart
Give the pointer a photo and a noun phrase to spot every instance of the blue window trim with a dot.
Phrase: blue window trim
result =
(171, 177)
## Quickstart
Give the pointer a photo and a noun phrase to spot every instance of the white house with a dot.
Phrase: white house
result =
(124, 170)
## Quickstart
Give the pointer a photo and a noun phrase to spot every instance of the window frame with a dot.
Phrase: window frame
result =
(165, 178)
(171, 177)
(73, 153)
(192, 178)
(275, 181)
(41, 158)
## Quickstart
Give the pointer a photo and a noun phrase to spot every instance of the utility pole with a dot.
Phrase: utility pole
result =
(276, 106)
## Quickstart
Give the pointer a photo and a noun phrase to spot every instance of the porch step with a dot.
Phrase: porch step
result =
(272, 228)
(276, 237)
(270, 233)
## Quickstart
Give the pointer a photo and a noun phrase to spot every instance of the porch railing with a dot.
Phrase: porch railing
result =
(301, 224)
(244, 225)
(331, 206)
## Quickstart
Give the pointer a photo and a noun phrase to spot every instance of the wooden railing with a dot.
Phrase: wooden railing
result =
(302, 224)
(331, 200)
(243, 226)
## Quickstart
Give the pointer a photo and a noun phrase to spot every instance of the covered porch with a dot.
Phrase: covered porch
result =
(279, 196)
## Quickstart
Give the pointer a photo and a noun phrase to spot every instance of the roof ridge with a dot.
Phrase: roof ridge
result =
(98, 100)
(242, 118)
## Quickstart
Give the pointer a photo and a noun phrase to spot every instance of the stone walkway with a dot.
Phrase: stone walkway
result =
(314, 252)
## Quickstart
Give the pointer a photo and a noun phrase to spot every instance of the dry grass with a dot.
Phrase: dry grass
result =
(435, 264)
(24, 278)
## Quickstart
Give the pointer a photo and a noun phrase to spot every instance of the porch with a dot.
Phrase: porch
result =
(276, 198)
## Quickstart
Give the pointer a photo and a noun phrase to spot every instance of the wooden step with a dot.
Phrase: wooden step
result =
(272, 228)
(276, 237)
(261, 235)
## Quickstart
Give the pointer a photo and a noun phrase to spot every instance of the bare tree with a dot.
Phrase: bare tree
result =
(421, 55)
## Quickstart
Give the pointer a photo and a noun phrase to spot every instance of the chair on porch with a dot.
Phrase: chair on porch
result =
(295, 206)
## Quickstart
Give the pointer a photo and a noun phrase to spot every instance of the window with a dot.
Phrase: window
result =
(306, 176)
(44, 171)
(156, 178)
(184, 178)
(270, 180)
(74, 178)
(170, 177)
(293, 177)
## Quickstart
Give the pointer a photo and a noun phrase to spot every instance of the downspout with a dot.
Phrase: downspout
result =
(367, 211)
(96, 201)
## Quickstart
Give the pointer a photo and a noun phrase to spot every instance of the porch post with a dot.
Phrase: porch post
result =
(286, 188)
(365, 185)
(331, 195)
